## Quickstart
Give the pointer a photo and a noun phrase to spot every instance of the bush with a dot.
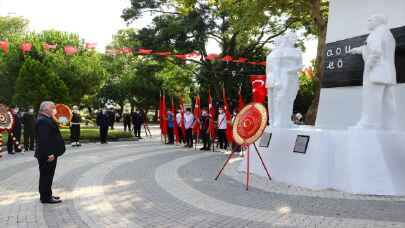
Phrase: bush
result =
(93, 134)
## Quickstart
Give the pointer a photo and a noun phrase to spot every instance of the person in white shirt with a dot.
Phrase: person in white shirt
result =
(223, 143)
(179, 128)
(188, 124)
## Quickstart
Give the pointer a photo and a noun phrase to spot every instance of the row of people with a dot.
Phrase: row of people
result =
(189, 122)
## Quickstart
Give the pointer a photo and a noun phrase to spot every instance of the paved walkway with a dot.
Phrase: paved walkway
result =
(147, 184)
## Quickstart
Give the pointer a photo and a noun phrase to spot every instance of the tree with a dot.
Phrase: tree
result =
(36, 83)
(188, 25)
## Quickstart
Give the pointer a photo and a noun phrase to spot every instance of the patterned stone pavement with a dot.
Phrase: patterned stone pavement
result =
(147, 184)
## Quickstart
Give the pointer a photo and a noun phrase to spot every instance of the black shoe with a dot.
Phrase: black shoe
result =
(203, 148)
(51, 201)
(11, 153)
(56, 197)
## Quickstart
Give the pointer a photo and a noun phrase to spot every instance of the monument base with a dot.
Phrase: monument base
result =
(357, 161)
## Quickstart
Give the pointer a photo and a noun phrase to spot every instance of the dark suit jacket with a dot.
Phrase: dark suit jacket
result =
(28, 120)
(49, 139)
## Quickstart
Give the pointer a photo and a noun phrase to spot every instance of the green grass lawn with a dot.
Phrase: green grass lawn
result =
(87, 133)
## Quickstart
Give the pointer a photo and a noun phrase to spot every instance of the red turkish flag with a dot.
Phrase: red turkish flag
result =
(262, 63)
(175, 127)
(70, 50)
(259, 90)
(252, 63)
(163, 115)
(211, 111)
(197, 115)
(26, 47)
(183, 127)
(4, 45)
(163, 53)
(229, 134)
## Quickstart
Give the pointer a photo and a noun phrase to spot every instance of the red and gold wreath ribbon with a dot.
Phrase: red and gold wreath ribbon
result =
(63, 114)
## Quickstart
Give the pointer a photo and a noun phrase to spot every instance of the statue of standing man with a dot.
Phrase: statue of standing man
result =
(379, 77)
(282, 82)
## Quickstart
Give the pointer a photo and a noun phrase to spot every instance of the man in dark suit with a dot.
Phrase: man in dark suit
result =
(137, 121)
(103, 123)
(50, 146)
(28, 120)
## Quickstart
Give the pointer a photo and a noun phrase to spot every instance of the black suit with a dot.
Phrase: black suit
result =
(29, 127)
(103, 123)
(49, 142)
(137, 121)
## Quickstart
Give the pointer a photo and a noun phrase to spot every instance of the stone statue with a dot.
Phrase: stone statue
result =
(282, 83)
(379, 76)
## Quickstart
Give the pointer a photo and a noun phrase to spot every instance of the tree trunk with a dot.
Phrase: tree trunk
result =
(310, 116)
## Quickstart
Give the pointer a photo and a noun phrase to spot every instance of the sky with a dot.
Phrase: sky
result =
(94, 20)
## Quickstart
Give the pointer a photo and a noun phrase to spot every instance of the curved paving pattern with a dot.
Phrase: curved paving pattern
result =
(146, 184)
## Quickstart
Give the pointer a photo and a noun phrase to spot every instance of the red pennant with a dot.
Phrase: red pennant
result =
(4, 45)
(47, 46)
(262, 63)
(126, 50)
(241, 60)
(212, 57)
(70, 50)
(227, 58)
(91, 45)
(180, 56)
(143, 51)
(193, 54)
(161, 53)
(252, 63)
(26, 47)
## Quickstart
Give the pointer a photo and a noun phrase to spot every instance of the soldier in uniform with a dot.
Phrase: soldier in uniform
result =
(28, 120)
(75, 127)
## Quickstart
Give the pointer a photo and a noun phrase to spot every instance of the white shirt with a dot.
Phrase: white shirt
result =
(178, 119)
(221, 121)
(188, 120)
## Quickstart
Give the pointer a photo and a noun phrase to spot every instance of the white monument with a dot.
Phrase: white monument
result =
(282, 83)
(379, 76)
(356, 145)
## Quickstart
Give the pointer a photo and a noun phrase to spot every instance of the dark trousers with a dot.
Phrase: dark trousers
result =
(137, 130)
(223, 143)
(29, 141)
(127, 125)
(206, 140)
(181, 135)
(170, 135)
(189, 137)
(11, 144)
(46, 174)
(103, 134)
(75, 133)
